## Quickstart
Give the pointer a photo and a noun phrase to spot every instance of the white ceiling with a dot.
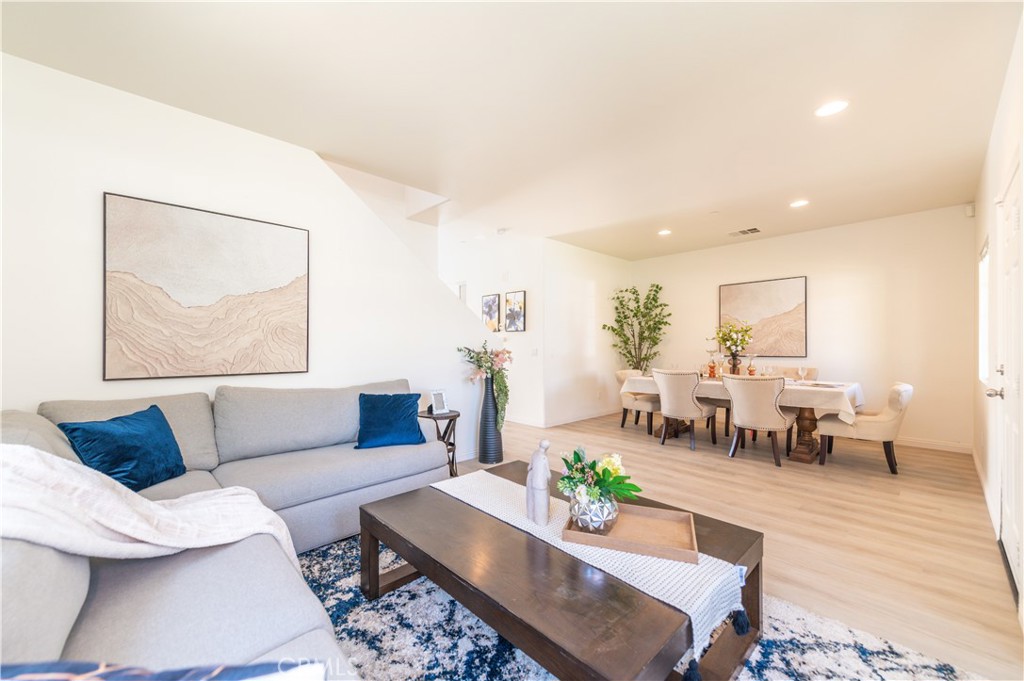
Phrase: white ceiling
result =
(595, 123)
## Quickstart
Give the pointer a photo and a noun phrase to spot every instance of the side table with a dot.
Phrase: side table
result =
(447, 436)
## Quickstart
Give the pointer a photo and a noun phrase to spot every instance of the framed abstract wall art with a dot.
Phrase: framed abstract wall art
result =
(515, 311)
(190, 292)
(490, 311)
(775, 308)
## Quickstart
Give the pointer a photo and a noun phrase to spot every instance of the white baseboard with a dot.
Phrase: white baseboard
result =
(941, 445)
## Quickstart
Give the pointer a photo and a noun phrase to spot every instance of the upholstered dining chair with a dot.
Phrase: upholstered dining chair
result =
(639, 402)
(755, 406)
(879, 426)
(679, 402)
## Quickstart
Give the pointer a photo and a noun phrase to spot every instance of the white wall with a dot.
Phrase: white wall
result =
(887, 300)
(563, 364)
(579, 362)
(1004, 150)
(376, 312)
(387, 199)
(501, 264)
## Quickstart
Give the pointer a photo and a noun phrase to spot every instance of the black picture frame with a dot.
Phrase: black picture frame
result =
(515, 311)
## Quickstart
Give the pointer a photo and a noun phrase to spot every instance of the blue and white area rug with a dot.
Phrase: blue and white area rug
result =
(420, 632)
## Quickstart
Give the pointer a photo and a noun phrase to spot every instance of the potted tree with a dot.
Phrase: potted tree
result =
(639, 325)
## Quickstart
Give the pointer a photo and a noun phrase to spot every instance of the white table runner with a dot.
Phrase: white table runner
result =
(708, 591)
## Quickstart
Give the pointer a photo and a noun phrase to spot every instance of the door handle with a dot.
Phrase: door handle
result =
(992, 392)
(1001, 370)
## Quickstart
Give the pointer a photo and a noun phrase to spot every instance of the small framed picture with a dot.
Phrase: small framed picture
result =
(490, 311)
(438, 402)
(515, 311)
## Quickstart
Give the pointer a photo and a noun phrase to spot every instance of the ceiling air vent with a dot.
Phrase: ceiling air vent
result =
(745, 232)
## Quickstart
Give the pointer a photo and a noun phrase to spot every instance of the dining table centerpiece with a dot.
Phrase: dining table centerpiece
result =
(734, 338)
(492, 366)
(594, 488)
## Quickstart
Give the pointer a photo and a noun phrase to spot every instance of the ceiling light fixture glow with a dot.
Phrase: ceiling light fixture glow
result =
(831, 108)
(799, 203)
(664, 232)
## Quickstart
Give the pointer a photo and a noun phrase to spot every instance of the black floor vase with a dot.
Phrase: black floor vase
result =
(490, 436)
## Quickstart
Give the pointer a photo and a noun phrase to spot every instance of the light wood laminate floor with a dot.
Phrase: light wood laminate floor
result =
(910, 557)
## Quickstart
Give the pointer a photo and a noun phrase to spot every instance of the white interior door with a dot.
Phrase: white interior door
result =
(1008, 363)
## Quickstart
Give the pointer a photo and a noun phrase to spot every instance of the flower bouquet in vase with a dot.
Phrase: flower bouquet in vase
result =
(593, 488)
(734, 338)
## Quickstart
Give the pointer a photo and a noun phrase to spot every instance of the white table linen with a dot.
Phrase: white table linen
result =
(824, 397)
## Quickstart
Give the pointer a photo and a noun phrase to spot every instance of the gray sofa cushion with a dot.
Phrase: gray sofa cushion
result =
(294, 478)
(254, 422)
(26, 428)
(225, 604)
(327, 520)
(189, 415)
(192, 481)
(43, 592)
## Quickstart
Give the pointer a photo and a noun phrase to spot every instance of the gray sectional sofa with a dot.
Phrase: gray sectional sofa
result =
(232, 604)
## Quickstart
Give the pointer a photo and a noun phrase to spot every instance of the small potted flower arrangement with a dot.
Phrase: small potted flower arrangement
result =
(592, 488)
(734, 338)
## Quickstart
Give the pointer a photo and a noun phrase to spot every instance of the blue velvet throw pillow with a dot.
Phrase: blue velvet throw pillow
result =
(60, 670)
(137, 450)
(386, 420)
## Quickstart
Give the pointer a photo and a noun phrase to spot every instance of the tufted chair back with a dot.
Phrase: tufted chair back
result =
(678, 390)
(755, 402)
(678, 395)
(755, 406)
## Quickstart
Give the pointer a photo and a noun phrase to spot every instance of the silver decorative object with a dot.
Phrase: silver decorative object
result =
(596, 516)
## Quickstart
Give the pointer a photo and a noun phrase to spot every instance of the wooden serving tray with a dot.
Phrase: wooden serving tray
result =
(648, 531)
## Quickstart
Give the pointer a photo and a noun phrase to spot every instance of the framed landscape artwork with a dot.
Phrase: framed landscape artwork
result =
(775, 308)
(515, 311)
(490, 311)
(189, 292)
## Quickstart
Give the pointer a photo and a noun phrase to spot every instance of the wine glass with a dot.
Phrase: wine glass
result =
(801, 372)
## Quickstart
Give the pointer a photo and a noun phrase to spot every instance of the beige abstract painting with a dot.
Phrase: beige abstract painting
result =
(777, 311)
(189, 292)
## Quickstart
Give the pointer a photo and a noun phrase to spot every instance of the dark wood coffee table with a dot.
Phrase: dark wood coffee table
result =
(574, 619)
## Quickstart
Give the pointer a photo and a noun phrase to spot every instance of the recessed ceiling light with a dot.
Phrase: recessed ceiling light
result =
(664, 232)
(799, 203)
(831, 108)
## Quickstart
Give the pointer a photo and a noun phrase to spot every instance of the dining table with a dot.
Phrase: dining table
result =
(812, 398)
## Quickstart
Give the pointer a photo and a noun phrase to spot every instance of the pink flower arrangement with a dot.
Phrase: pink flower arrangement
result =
(493, 363)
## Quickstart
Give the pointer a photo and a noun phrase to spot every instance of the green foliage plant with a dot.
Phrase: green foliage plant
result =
(639, 325)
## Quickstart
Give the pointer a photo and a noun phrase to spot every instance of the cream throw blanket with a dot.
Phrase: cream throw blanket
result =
(54, 502)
